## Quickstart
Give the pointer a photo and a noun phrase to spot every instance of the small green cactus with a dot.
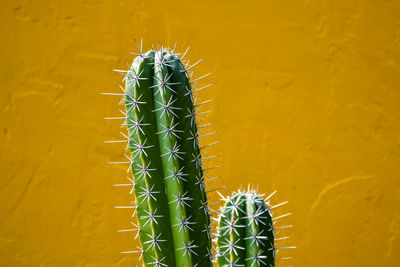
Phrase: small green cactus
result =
(165, 159)
(246, 231)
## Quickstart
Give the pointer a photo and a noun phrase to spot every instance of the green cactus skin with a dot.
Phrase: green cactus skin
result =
(165, 159)
(246, 234)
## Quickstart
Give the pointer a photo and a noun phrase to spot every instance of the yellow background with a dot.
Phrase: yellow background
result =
(307, 102)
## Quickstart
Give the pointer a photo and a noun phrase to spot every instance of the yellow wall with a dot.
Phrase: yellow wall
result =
(307, 102)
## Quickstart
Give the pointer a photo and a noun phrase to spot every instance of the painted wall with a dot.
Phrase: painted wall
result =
(307, 102)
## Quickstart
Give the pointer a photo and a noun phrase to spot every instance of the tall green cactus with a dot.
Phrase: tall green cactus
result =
(171, 203)
(246, 234)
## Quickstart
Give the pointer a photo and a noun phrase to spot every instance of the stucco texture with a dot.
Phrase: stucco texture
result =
(306, 102)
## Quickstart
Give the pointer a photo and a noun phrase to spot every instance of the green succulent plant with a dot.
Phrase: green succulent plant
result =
(246, 234)
(166, 162)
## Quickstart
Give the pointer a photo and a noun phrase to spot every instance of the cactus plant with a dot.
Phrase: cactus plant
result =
(165, 159)
(246, 234)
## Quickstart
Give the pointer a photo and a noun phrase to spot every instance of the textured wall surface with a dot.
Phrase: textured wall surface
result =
(307, 102)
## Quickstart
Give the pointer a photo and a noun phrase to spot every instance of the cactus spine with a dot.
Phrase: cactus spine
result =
(166, 162)
(246, 234)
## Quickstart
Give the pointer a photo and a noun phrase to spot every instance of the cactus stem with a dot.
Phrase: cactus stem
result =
(246, 219)
(156, 99)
